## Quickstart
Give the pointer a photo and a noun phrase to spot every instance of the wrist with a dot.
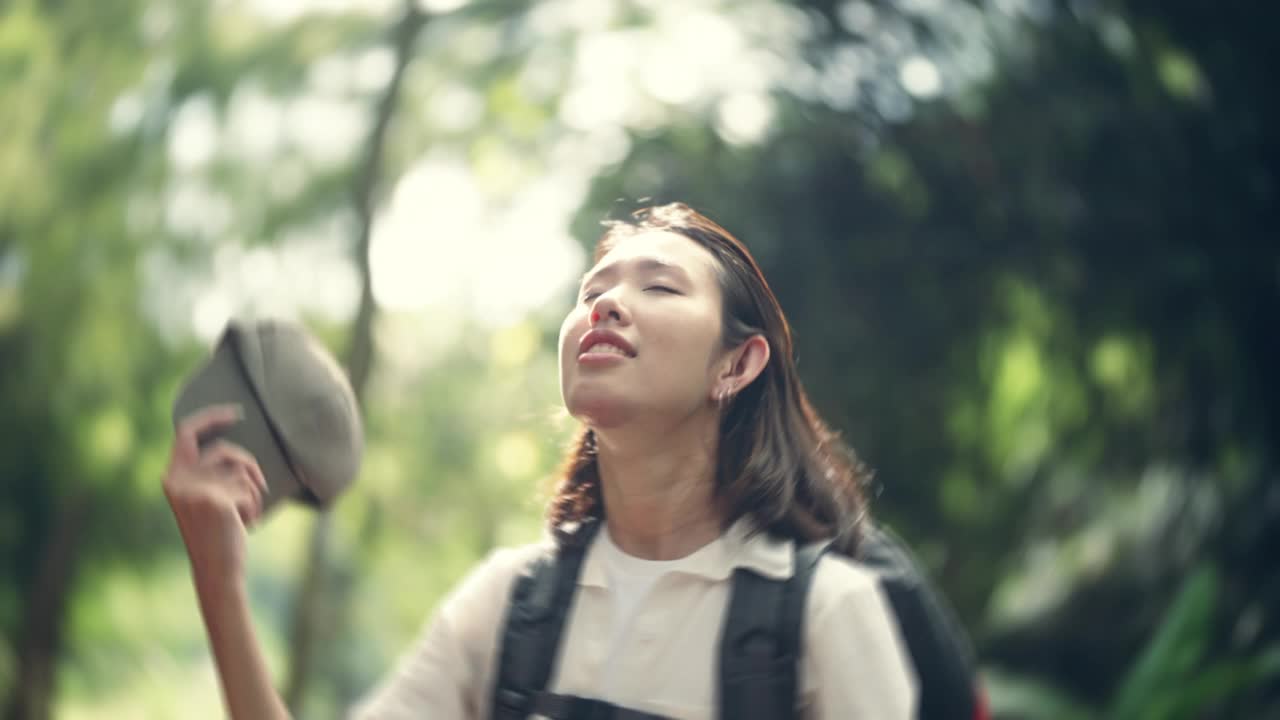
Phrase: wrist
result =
(217, 586)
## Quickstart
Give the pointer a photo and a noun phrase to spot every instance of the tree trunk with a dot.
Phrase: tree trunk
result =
(309, 628)
(45, 613)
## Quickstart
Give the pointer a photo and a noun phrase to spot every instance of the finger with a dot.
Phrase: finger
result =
(248, 510)
(186, 446)
(230, 463)
(259, 479)
(254, 490)
(225, 452)
(240, 491)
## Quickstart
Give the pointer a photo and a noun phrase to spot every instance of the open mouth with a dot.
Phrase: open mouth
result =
(601, 343)
(606, 349)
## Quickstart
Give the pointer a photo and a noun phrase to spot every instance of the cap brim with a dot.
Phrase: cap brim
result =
(221, 380)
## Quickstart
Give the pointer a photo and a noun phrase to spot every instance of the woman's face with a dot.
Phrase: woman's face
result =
(643, 336)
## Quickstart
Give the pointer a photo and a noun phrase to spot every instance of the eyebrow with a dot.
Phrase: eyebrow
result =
(649, 264)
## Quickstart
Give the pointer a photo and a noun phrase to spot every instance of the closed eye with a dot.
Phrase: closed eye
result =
(593, 294)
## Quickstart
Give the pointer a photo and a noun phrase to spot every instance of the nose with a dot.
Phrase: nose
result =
(607, 307)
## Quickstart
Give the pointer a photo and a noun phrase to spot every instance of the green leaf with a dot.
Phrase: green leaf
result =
(1174, 653)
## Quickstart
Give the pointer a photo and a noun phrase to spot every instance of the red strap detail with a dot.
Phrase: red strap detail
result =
(981, 709)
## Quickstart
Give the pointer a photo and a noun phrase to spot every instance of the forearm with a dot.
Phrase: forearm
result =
(242, 668)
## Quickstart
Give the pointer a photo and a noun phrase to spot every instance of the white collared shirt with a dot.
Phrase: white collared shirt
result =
(853, 667)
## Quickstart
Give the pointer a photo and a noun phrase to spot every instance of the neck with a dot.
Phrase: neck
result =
(659, 490)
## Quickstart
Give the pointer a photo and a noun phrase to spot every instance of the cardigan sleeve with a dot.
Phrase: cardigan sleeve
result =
(856, 666)
(448, 671)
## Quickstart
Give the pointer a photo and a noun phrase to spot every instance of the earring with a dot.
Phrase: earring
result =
(723, 395)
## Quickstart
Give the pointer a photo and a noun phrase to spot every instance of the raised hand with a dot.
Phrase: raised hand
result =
(215, 493)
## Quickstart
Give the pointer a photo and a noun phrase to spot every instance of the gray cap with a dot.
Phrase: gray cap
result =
(301, 420)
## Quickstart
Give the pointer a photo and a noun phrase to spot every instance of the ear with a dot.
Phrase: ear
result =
(743, 365)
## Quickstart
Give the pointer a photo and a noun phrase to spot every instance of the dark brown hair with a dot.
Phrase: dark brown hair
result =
(777, 460)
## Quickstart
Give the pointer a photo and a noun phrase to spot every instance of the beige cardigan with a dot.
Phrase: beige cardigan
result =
(854, 665)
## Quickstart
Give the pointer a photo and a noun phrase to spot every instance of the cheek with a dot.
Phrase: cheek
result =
(685, 350)
(570, 330)
(693, 336)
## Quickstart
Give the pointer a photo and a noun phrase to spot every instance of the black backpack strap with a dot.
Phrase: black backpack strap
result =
(761, 639)
(536, 613)
(939, 649)
(571, 707)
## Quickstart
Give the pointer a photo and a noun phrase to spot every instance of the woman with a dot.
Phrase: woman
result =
(699, 454)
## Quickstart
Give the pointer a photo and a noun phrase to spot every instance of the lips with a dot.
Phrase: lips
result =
(605, 337)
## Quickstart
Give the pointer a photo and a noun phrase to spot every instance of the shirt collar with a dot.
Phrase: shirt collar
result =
(736, 548)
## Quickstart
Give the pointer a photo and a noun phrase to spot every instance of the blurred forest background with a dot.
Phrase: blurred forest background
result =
(1029, 249)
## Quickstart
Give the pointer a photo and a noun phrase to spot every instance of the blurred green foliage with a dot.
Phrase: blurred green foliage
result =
(1028, 249)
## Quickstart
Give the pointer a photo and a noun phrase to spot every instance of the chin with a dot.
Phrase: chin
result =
(598, 409)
